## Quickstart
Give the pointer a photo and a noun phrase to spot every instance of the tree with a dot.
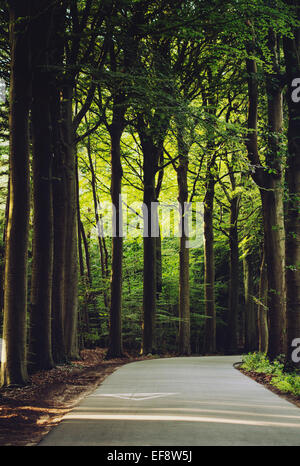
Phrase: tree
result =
(13, 367)
(269, 180)
(40, 350)
(184, 282)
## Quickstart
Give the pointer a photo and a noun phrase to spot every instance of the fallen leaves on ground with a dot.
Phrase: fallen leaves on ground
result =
(28, 413)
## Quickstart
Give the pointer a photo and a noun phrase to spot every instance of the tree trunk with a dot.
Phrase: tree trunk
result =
(184, 341)
(40, 350)
(250, 319)
(71, 250)
(262, 310)
(115, 349)
(150, 240)
(233, 305)
(209, 269)
(274, 257)
(274, 212)
(59, 210)
(292, 224)
(59, 193)
(13, 366)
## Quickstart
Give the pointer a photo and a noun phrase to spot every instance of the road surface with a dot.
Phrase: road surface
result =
(179, 402)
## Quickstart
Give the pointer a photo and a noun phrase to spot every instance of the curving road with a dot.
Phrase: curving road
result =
(179, 402)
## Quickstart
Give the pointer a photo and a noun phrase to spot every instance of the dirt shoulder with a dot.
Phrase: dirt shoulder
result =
(29, 412)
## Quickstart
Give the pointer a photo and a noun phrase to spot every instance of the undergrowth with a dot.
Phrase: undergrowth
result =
(288, 382)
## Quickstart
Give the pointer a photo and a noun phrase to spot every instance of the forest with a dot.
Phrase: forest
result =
(149, 179)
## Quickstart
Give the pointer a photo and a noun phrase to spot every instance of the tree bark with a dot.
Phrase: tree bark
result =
(184, 340)
(71, 249)
(233, 304)
(209, 268)
(59, 194)
(115, 349)
(262, 310)
(149, 240)
(250, 318)
(59, 210)
(40, 349)
(13, 366)
(274, 256)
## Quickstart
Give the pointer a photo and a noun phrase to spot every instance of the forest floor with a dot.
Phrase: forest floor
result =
(265, 379)
(29, 412)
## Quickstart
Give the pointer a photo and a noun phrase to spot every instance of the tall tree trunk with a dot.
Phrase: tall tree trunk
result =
(13, 366)
(233, 305)
(40, 350)
(59, 194)
(292, 224)
(184, 340)
(209, 268)
(152, 150)
(59, 210)
(262, 310)
(274, 257)
(115, 348)
(274, 212)
(150, 257)
(71, 250)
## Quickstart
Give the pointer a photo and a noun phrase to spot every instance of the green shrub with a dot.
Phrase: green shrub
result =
(259, 362)
(287, 383)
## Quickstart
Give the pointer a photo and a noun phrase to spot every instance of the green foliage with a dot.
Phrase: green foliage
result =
(260, 363)
(288, 383)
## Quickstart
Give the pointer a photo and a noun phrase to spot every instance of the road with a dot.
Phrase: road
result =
(179, 402)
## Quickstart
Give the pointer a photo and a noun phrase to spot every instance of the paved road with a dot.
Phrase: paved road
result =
(179, 402)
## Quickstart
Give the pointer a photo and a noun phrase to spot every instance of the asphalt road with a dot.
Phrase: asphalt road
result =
(179, 402)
